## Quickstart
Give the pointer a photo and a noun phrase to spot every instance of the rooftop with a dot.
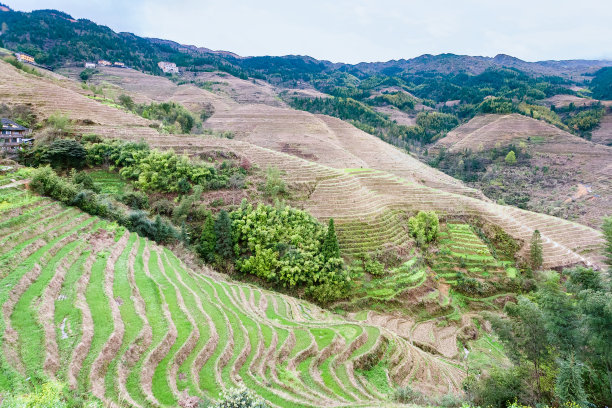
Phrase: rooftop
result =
(9, 124)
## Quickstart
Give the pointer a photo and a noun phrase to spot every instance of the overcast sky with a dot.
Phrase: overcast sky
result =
(361, 30)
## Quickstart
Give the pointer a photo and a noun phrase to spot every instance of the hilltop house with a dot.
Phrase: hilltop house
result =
(118, 64)
(90, 65)
(21, 57)
(105, 63)
(12, 135)
(168, 67)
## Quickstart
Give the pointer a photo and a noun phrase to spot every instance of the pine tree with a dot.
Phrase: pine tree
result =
(569, 384)
(331, 249)
(223, 230)
(208, 239)
(535, 250)
(510, 157)
(607, 229)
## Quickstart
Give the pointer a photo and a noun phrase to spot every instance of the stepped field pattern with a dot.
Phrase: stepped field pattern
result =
(89, 303)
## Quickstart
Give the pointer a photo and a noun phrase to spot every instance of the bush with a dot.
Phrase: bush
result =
(84, 181)
(240, 398)
(424, 228)
(66, 153)
(136, 199)
(275, 185)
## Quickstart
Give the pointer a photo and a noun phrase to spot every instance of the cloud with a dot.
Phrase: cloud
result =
(363, 30)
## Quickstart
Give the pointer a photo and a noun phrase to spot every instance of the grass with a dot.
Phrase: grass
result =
(108, 181)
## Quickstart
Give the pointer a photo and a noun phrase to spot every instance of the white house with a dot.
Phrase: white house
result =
(90, 65)
(168, 67)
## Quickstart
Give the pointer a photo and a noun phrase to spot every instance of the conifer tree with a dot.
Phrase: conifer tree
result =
(607, 230)
(331, 249)
(535, 250)
(569, 383)
(208, 239)
(510, 157)
(223, 230)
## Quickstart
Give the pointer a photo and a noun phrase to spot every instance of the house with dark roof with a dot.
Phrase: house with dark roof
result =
(13, 135)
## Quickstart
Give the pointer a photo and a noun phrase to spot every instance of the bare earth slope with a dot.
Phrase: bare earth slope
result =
(367, 201)
(587, 165)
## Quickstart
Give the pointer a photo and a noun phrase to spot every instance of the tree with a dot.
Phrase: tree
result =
(223, 231)
(524, 335)
(535, 250)
(66, 153)
(569, 383)
(127, 101)
(607, 230)
(208, 239)
(331, 249)
(510, 158)
(424, 227)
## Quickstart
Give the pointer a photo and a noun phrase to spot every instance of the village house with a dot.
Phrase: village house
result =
(168, 67)
(119, 64)
(21, 57)
(105, 63)
(13, 135)
(90, 65)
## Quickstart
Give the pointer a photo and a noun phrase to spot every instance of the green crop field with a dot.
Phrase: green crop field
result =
(113, 314)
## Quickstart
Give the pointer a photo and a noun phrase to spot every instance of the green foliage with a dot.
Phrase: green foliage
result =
(159, 171)
(400, 100)
(127, 102)
(240, 398)
(173, 116)
(66, 153)
(436, 123)
(496, 105)
(21, 66)
(46, 182)
(607, 230)
(601, 84)
(84, 181)
(331, 248)
(223, 232)
(535, 250)
(424, 227)
(135, 199)
(510, 158)
(585, 120)
(275, 186)
(208, 239)
(500, 388)
(22, 114)
(60, 123)
(87, 73)
(283, 245)
(569, 385)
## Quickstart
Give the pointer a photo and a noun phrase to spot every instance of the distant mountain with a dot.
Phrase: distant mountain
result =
(55, 38)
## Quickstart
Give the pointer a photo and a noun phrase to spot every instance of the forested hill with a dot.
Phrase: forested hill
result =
(55, 38)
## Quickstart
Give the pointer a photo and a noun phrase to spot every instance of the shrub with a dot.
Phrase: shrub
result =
(275, 185)
(510, 158)
(84, 181)
(162, 207)
(136, 199)
(66, 153)
(407, 395)
(424, 227)
(240, 398)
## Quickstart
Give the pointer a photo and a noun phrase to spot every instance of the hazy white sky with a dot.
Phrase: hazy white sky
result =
(362, 30)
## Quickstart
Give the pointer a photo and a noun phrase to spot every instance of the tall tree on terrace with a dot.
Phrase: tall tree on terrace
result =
(535, 250)
(607, 229)
(208, 239)
(223, 230)
(331, 249)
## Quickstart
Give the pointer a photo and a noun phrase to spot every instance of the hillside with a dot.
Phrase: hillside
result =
(578, 171)
(133, 323)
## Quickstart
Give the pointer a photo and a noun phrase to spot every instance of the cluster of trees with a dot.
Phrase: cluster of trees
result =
(401, 100)
(601, 84)
(584, 121)
(560, 342)
(20, 113)
(424, 227)
(162, 171)
(290, 248)
(174, 117)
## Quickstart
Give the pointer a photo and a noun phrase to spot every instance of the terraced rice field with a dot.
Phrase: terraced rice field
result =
(108, 312)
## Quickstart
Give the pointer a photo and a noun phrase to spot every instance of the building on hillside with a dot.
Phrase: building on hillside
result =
(90, 65)
(21, 57)
(105, 63)
(13, 135)
(168, 67)
(118, 64)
